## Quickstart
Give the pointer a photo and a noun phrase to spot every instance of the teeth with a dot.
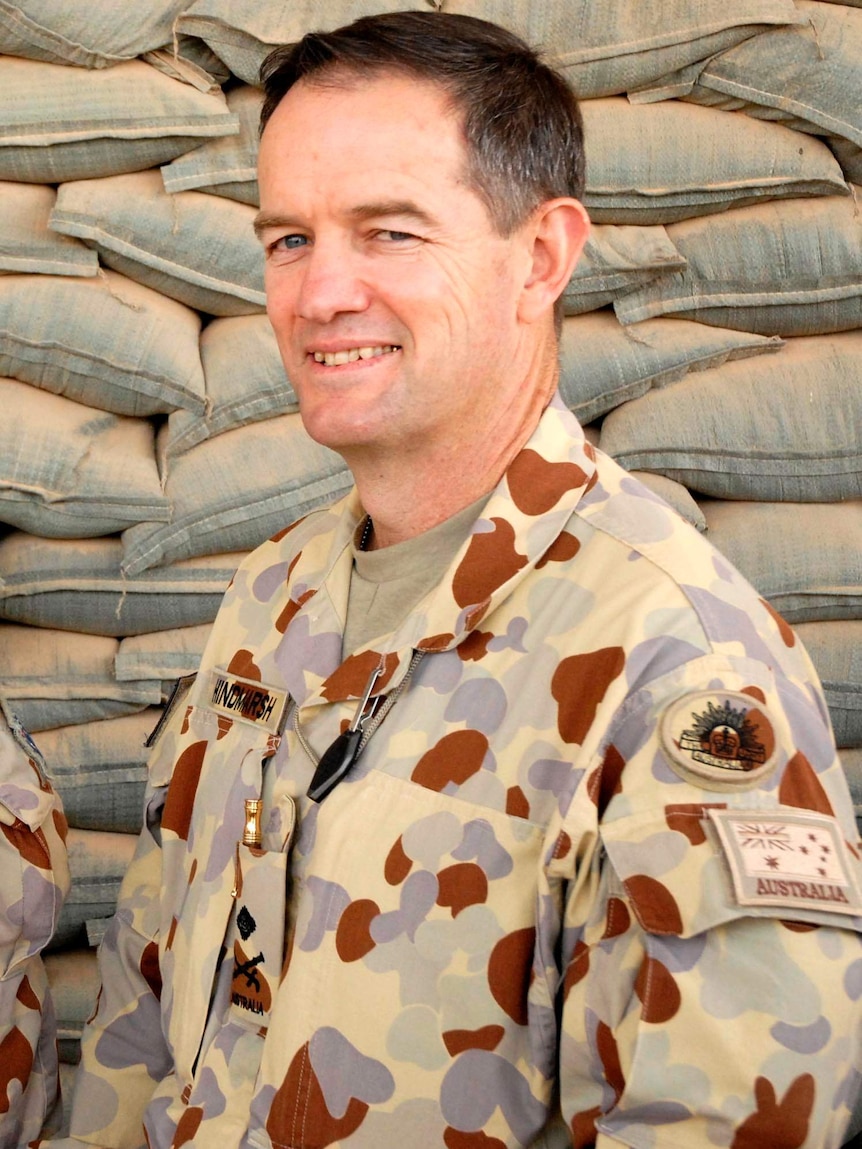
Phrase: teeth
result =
(336, 358)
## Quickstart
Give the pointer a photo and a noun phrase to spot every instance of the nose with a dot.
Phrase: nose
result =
(330, 283)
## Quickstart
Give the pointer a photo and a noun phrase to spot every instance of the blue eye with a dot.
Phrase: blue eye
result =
(291, 241)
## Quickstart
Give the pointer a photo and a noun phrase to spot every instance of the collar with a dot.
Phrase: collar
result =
(523, 517)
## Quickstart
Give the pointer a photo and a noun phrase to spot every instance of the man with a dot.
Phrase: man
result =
(34, 880)
(502, 811)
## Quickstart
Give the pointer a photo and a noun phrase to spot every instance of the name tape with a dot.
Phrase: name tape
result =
(246, 700)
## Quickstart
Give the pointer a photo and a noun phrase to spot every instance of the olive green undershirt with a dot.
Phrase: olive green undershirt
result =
(387, 584)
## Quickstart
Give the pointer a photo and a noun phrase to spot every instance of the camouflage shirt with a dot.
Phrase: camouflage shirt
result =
(591, 878)
(34, 880)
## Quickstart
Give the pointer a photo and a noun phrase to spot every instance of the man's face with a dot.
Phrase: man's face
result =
(392, 296)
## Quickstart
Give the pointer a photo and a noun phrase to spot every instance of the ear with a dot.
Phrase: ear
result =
(558, 230)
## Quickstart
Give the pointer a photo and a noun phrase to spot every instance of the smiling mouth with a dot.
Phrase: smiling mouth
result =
(350, 355)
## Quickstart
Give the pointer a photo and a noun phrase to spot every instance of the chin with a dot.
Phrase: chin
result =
(335, 432)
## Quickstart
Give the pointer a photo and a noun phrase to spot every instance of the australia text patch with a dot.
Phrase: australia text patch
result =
(246, 700)
(784, 858)
(719, 740)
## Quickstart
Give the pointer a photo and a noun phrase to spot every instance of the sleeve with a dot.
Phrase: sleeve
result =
(713, 966)
(124, 1054)
(34, 880)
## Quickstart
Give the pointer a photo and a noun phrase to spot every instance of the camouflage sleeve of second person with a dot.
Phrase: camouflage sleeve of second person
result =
(34, 880)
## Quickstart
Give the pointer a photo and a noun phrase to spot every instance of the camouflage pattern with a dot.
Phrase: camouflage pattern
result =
(514, 921)
(34, 880)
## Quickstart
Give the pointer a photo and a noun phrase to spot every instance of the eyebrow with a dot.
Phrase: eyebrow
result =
(362, 212)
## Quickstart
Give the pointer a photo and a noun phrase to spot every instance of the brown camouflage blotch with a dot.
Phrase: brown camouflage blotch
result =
(456, 1139)
(27, 996)
(584, 1128)
(487, 1038)
(397, 865)
(778, 1124)
(800, 787)
(654, 905)
(61, 824)
(563, 847)
(687, 818)
(764, 731)
(754, 692)
(16, 1062)
(243, 666)
(150, 969)
(517, 805)
(607, 779)
(658, 992)
(351, 677)
(474, 616)
(563, 548)
(285, 531)
(609, 1054)
(510, 972)
(788, 637)
(461, 885)
(579, 684)
(455, 758)
(475, 646)
(224, 724)
(299, 1104)
(177, 812)
(798, 927)
(491, 560)
(172, 933)
(436, 642)
(187, 1126)
(536, 485)
(30, 844)
(618, 918)
(353, 938)
(291, 609)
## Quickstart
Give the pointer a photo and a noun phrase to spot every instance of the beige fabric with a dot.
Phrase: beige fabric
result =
(386, 584)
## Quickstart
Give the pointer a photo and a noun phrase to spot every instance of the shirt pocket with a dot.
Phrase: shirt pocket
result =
(217, 765)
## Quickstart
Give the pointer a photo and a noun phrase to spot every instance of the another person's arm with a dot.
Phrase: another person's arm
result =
(34, 880)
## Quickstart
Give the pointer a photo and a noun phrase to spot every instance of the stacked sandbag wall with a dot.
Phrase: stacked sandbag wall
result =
(712, 344)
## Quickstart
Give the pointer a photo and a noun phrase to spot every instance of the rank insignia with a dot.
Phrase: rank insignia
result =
(719, 741)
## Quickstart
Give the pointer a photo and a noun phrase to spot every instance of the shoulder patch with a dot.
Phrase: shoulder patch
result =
(719, 740)
(796, 859)
(177, 697)
(22, 737)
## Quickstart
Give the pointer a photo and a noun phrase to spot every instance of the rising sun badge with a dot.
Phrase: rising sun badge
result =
(720, 741)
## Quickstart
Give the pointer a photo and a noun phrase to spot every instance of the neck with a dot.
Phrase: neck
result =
(408, 491)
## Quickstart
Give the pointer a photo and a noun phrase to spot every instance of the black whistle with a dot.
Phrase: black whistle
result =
(334, 764)
(340, 756)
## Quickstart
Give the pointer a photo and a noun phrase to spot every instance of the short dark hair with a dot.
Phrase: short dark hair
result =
(521, 122)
